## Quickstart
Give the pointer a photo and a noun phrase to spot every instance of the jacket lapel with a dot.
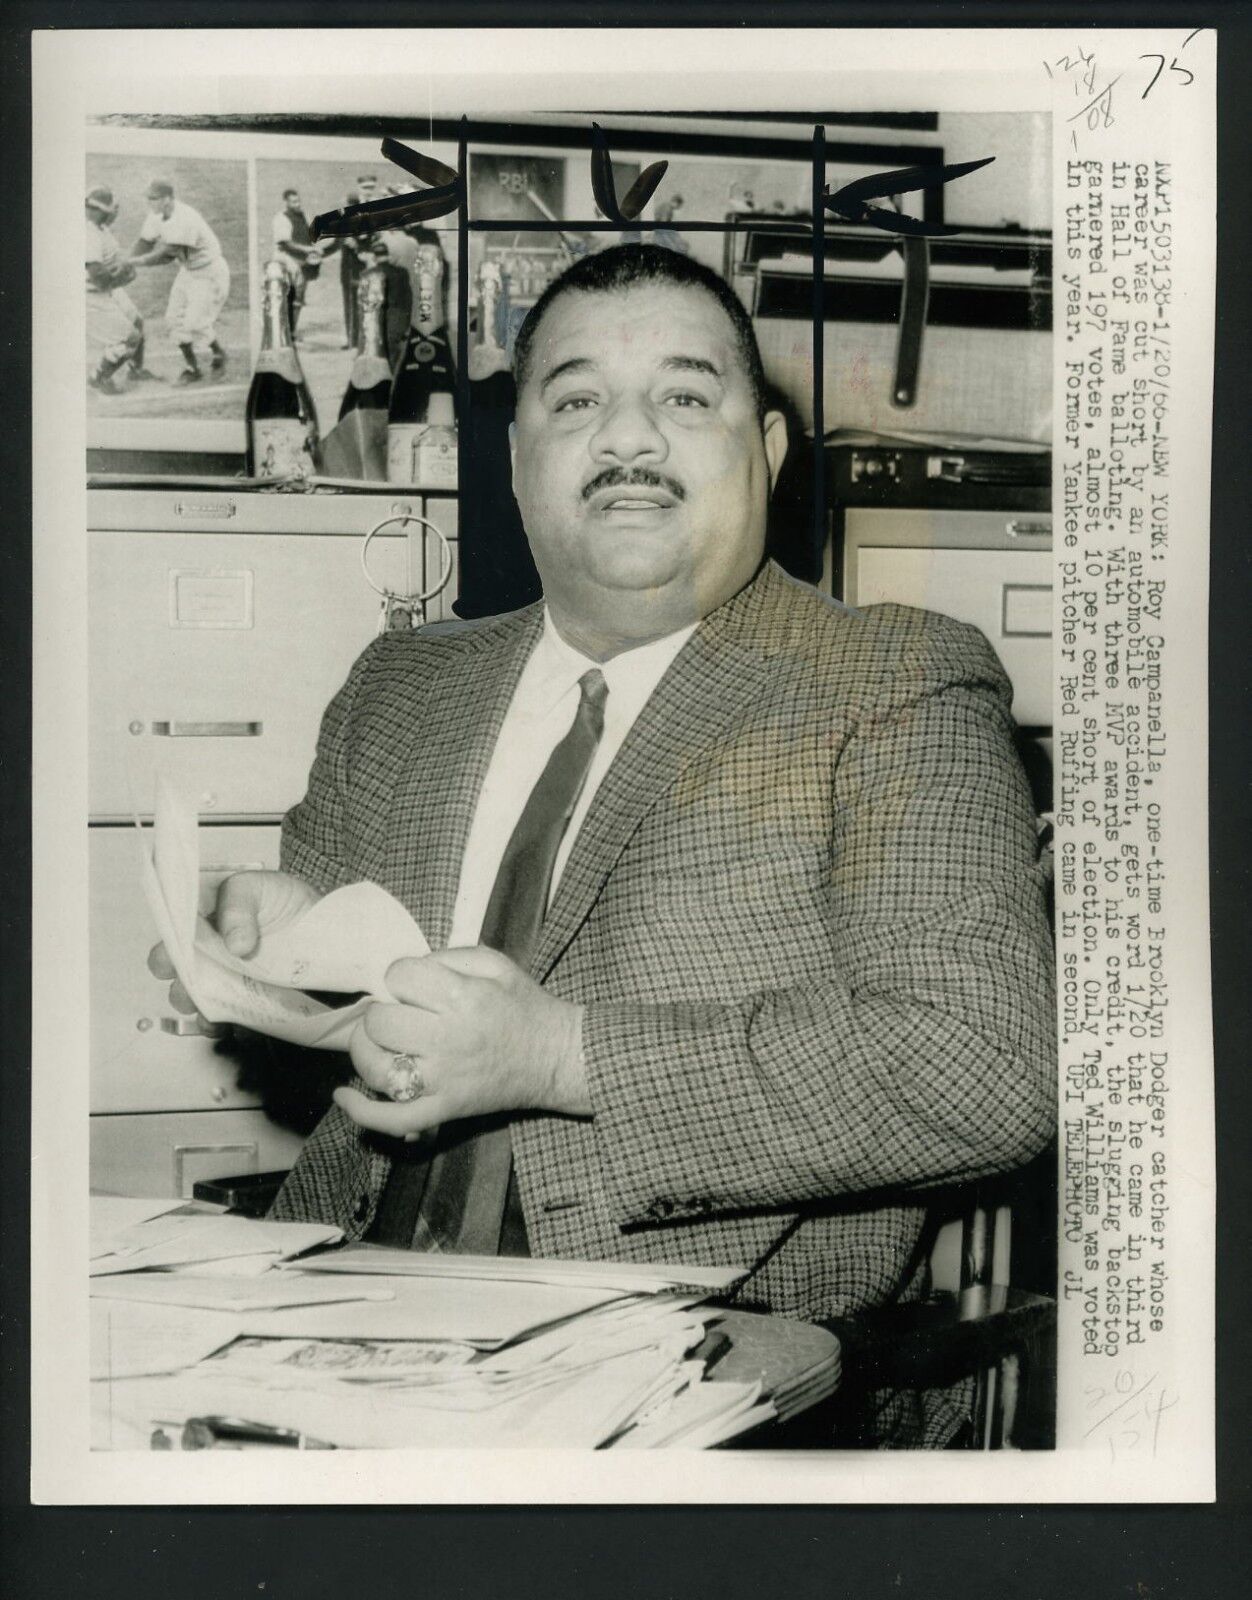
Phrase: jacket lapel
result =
(713, 683)
(449, 746)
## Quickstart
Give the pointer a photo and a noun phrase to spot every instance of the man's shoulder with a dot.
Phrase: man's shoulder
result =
(186, 223)
(475, 633)
(886, 647)
(440, 647)
(884, 626)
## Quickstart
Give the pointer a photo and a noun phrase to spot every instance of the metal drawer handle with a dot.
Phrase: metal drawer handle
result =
(192, 1028)
(204, 508)
(1018, 529)
(208, 730)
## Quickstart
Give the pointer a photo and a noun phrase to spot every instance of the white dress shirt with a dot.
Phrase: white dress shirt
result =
(540, 714)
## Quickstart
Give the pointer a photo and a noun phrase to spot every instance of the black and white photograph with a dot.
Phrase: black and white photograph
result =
(167, 288)
(603, 686)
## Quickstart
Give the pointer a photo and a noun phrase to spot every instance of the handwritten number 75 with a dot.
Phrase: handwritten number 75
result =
(1173, 66)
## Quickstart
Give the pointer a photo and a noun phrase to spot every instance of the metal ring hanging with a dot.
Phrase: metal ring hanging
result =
(446, 561)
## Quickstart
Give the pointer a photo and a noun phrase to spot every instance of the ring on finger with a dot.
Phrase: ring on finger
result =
(404, 1078)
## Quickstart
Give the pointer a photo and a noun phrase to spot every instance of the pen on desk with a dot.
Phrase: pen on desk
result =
(211, 1433)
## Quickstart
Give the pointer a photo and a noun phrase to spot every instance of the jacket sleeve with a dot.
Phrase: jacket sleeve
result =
(927, 1055)
(313, 831)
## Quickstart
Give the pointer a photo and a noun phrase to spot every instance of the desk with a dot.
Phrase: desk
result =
(798, 1364)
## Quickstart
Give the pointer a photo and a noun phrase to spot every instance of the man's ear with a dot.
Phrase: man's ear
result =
(513, 451)
(774, 432)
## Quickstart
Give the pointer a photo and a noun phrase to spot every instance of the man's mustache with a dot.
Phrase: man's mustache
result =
(633, 478)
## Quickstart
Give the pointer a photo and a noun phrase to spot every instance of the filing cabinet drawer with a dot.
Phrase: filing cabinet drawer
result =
(1005, 593)
(213, 657)
(164, 1156)
(144, 1055)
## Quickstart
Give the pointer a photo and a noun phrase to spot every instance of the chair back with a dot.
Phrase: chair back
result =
(973, 1246)
(972, 1259)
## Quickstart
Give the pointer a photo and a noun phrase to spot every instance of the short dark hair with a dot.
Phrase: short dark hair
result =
(160, 188)
(287, 193)
(627, 266)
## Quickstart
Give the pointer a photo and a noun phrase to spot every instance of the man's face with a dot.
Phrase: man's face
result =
(162, 204)
(292, 201)
(639, 463)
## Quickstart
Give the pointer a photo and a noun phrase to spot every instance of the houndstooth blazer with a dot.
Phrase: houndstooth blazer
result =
(805, 915)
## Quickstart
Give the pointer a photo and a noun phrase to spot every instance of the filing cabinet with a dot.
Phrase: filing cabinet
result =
(222, 622)
(213, 654)
(165, 1155)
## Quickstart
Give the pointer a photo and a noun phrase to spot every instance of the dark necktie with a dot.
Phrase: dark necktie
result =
(457, 1192)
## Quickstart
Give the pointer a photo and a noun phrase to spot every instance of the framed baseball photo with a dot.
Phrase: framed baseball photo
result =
(168, 287)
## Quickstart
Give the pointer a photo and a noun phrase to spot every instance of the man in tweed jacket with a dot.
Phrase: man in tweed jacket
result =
(797, 971)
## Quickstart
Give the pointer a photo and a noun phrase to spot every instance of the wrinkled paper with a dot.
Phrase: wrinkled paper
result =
(343, 944)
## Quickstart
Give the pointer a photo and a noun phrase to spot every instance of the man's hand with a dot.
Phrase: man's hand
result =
(249, 905)
(485, 1038)
(252, 904)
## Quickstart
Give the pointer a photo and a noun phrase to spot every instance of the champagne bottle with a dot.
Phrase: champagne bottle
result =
(492, 298)
(369, 382)
(488, 355)
(282, 434)
(425, 369)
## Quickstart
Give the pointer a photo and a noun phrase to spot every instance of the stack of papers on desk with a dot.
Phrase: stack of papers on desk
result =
(623, 1375)
(439, 1361)
(180, 1238)
(198, 1315)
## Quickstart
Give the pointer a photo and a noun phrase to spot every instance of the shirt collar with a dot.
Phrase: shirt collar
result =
(631, 675)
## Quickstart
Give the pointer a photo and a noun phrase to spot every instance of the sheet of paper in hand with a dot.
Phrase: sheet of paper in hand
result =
(343, 944)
